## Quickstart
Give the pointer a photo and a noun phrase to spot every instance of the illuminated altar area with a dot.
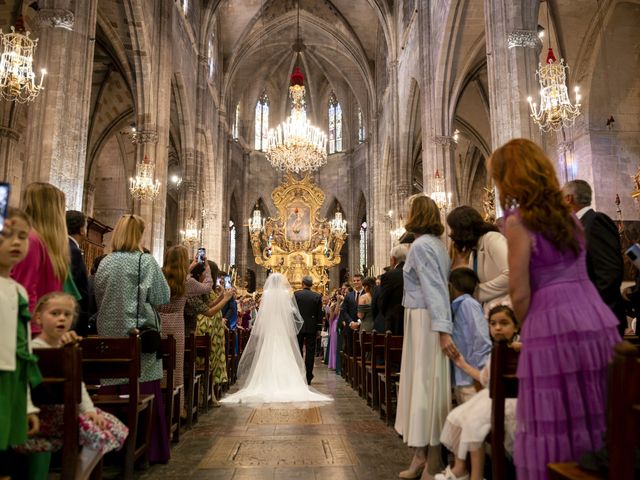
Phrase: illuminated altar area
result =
(298, 242)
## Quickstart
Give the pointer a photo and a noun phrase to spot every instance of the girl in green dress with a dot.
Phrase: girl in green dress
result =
(18, 366)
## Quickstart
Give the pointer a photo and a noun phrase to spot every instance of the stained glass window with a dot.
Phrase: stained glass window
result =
(185, 6)
(363, 245)
(360, 126)
(335, 124)
(232, 243)
(236, 123)
(211, 58)
(262, 122)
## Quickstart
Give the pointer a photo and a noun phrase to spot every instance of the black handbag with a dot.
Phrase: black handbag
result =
(149, 333)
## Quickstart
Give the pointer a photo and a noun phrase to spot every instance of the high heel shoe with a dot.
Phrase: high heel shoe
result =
(413, 472)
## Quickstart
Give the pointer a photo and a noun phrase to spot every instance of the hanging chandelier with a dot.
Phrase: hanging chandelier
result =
(338, 225)
(555, 110)
(17, 79)
(190, 234)
(256, 222)
(143, 186)
(295, 145)
(438, 192)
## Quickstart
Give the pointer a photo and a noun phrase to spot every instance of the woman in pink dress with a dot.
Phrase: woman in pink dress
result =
(568, 332)
(334, 313)
(46, 265)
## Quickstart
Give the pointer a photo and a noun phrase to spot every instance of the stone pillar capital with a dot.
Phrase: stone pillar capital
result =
(524, 39)
(144, 136)
(55, 18)
(10, 133)
(442, 140)
(403, 190)
(89, 188)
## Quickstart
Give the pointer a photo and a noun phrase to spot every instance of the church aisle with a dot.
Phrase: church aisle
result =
(343, 440)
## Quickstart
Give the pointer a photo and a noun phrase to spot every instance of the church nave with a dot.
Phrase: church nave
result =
(342, 440)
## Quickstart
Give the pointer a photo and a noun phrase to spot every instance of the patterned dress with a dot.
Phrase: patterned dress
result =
(213, 326)
(172, 316)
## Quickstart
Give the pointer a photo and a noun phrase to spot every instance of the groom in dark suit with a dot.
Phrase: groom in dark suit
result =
(310, 307)
(604, 254)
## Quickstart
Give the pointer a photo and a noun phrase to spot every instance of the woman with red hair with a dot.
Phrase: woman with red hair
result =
(567, 331)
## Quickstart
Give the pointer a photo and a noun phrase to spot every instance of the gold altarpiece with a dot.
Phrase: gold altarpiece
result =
(298, 242)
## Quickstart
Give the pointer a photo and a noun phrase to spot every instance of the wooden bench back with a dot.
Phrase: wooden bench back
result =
(623, 436)
(168, 351)
(377, 347)
(62, 382)
(502, 385)
(203, 350)
(392, 352)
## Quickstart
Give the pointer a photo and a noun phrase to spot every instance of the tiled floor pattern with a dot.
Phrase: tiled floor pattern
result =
(342, 440)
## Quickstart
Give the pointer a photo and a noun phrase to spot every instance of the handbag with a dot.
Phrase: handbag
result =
(149, 333)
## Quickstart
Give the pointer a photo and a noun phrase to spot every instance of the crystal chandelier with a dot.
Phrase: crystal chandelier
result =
(555, 110)
(256, 222)
(17, 80)
(438, 192)
(142, 186)
(190, 234)
(338, 225)
(295, 145)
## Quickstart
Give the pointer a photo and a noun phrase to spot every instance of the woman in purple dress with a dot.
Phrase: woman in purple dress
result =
(568, 333)
(334, 313)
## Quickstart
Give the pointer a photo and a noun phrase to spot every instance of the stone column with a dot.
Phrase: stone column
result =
(57, 144)
(513, 49)
(12, 169)
(89, 198)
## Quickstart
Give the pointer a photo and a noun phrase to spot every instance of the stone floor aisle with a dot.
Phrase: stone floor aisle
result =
(343, 440)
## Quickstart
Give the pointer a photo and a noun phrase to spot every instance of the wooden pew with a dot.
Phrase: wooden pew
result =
(390, 374)
(243, 340)
(373, 368)
(62, 378)
(344, 354)
(364, 341)
(203, 351)
(110, 358)
(171, 391)
(623, 420)
(354, 356)
(192, 381)
(232, 356)
(502, 385)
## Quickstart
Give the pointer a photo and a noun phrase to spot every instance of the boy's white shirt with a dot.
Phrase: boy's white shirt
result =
(9, 290)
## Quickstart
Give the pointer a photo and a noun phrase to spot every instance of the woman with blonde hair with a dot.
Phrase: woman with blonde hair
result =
(568, 332)
(424, 396)
(128, 285)
(176, 270)
(46, 266)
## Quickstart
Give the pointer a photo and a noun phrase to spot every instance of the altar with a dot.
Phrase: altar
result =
(298, 241)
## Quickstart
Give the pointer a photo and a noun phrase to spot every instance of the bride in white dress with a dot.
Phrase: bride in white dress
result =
(271, 368)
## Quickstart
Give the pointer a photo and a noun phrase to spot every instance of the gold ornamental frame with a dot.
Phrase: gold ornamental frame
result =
(298, 241)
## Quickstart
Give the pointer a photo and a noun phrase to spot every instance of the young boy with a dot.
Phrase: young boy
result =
(470, 330)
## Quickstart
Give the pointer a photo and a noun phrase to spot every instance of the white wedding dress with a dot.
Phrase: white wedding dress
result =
(271, 368)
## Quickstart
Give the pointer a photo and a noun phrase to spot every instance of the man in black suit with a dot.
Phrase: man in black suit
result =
(310, 307)
(76, 228)
(391, 291)
(604, 254)
(349, 310)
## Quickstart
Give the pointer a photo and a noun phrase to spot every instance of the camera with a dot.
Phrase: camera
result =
(202, 253)
(633, 252)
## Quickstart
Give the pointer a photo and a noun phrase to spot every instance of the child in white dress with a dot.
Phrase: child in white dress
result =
(467, 426)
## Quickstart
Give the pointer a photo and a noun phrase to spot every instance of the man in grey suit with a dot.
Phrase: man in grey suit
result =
(310, 307)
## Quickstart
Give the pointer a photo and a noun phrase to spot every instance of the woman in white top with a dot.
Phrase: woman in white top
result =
(480, 245)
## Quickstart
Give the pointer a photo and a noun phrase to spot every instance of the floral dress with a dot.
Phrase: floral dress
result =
(213, 326)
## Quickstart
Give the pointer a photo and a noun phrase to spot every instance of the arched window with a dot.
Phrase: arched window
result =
(236, 123)
(335, 124)
(232, 243)
(360, 126)
(211, 57)
(262, 122)
(363, 245)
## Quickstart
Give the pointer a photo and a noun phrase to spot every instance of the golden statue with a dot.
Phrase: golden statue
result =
(298, 242)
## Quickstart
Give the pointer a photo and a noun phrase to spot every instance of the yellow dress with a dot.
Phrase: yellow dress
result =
(214, 326)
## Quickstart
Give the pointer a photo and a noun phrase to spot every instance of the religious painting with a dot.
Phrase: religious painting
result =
(298, 224)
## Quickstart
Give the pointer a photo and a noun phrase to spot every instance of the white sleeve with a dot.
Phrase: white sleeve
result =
(86, 405)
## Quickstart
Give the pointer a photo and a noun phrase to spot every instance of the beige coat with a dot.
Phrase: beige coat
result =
(492, 269)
